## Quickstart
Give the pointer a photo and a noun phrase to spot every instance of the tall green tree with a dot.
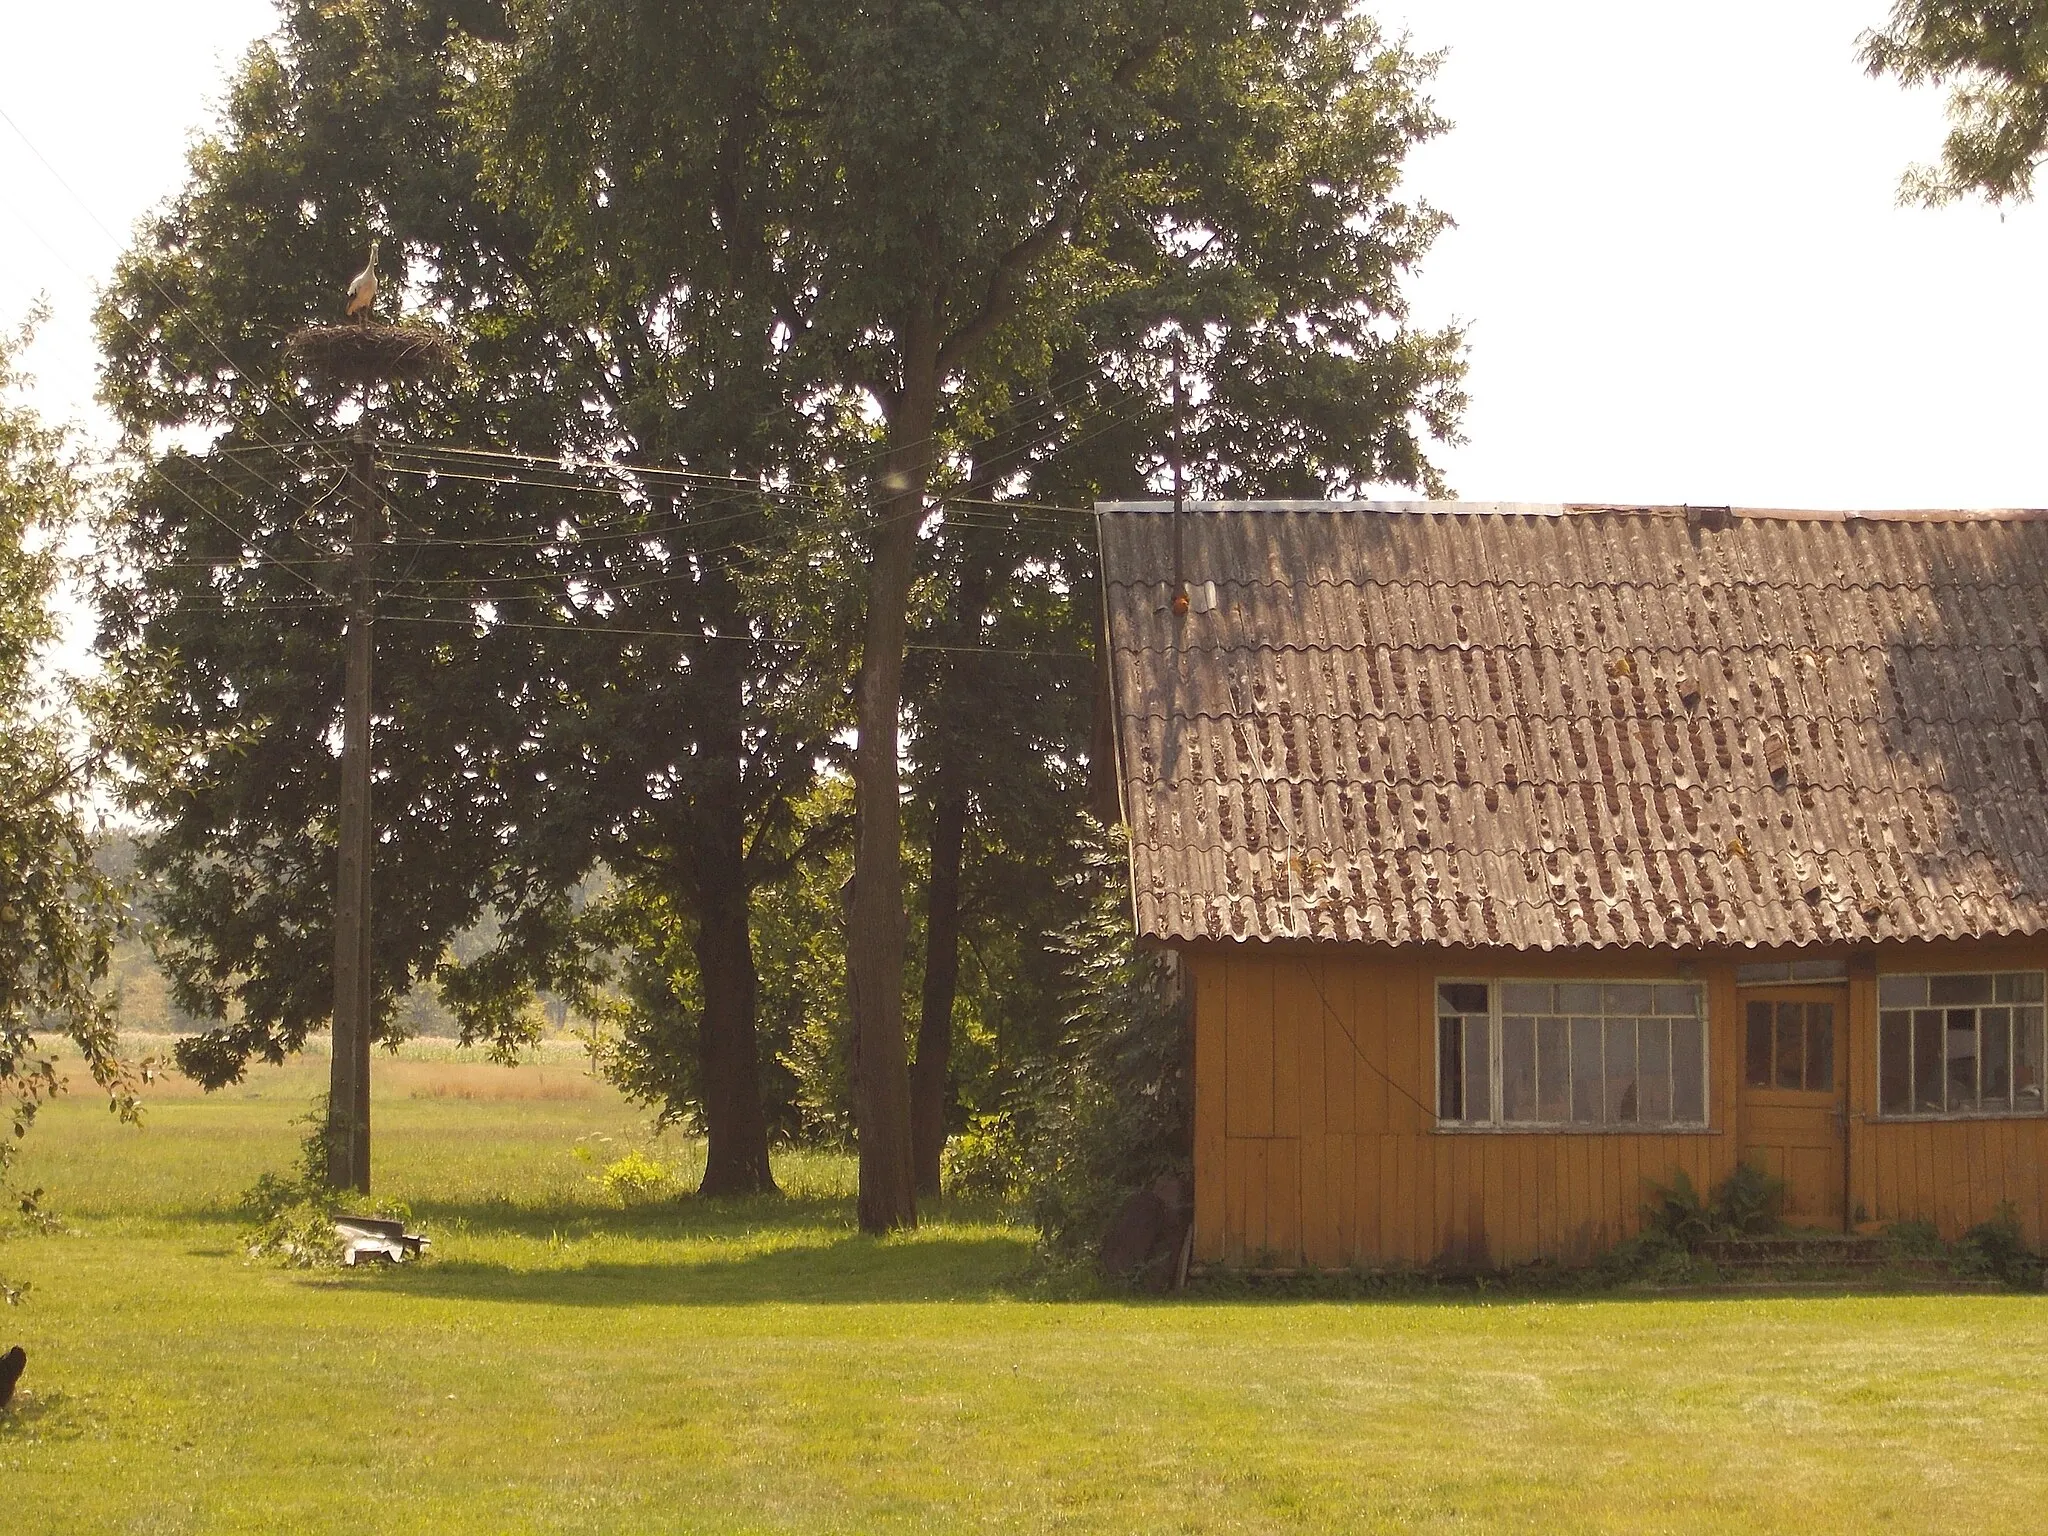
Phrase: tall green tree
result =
(58, 913)
(794, 256)
(933, 181)
(1993, 57)
(572, 671)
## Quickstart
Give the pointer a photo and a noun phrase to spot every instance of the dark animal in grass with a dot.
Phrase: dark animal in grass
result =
(12, 1364)
(1144, 1243)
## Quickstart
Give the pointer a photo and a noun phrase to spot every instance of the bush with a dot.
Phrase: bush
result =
(637, 1179)
(1675, 1213)
(1916, 1239)
(1997, 1248)
(298, 1236)
(1113, 1113)
(294, 1212)
(1748, 1203)
(984, 1161)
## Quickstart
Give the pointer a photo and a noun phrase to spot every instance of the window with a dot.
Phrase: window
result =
(1566, 1055)
(1967, 1043)
(1790, 1045)
(1779, 973)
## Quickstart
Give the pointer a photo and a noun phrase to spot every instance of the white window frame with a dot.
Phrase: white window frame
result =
(1498, 1127)
(1941, 1116)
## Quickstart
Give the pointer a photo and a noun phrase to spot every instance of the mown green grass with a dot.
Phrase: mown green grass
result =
(566, 1365)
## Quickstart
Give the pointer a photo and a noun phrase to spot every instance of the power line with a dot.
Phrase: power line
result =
(699, 635)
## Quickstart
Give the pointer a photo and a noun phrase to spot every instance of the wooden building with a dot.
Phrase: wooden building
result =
(1520, 856)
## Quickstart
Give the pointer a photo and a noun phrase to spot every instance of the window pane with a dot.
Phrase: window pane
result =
(1624, 998)
(2006, 986)
(1553, 1070)
(1478, 1073)
(1653, 1045)
(1525, 997)
(1578, 997)
(1586, 1075)
(1623, 1102)
(1517, 1068)
(1791, 1044)
(1688, 1072)
(1681, 1001)
(1820, 1047)
(1450, 1047)
(1962, 1058)
(1901, 991)
(1818, 970)
(1994, 1028)
(1895, 1063)
(1927, 1061)
(1461, 997)
(1762, 973)
(1969, 988)
(2027, 1058)
(2029, 988)
(1758, 1054)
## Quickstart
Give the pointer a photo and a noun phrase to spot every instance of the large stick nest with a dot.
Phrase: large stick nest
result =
(370, 354)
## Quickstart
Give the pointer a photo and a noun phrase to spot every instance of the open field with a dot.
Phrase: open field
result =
(567, 1365)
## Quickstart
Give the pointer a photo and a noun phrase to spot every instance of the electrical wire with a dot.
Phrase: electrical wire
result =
(1075, 389)
(698, 635)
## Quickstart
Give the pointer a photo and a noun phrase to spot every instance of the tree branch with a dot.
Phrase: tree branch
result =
(999, 299)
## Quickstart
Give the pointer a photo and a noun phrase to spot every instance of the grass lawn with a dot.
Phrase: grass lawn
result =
(565, 1365)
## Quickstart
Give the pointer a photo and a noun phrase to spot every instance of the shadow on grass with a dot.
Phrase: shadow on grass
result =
(689, 1217)
(844, 1269)
(34, 1416)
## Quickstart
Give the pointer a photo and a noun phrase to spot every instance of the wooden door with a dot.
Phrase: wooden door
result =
(1794, 1097)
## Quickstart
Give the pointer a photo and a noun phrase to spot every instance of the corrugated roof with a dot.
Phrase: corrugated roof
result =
(1559, 727)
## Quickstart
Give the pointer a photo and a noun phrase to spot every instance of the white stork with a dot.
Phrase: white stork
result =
(362, 290)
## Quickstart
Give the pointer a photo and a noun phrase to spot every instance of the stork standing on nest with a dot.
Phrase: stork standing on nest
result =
(362, 290)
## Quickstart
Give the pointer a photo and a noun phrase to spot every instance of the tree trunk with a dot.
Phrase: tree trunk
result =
(875, 932)
(729, 1059)
(931, 1076)
(930, 1079)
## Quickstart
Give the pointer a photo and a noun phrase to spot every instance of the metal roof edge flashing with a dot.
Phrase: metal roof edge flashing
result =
(1712, 517)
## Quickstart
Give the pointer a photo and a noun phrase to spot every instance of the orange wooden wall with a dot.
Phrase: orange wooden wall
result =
(1315, 1139)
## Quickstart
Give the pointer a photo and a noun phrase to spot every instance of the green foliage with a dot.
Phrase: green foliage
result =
(1998, 1248)
(513, 757)
(807, 210)
(1993, 56)
(33, 1216)
(644, 998)
(299, 1235)
(1916, 1239)
(1651, 1256)
(1676, 1211)
(293, 1213)
(637, 1179)
(1113, 1111)
(1748, 1203)
(59, 914)
(985, 1161)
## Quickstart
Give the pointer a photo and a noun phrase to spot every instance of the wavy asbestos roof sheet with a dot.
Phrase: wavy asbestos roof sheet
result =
(1568, 727)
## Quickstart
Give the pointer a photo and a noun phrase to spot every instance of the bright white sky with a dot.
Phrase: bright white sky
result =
(1678, 244)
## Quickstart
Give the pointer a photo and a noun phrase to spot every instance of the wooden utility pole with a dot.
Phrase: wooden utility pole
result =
(348, 1098)
(361, 356)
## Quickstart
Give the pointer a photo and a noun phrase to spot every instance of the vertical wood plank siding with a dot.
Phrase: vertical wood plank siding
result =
(1316, 1142)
